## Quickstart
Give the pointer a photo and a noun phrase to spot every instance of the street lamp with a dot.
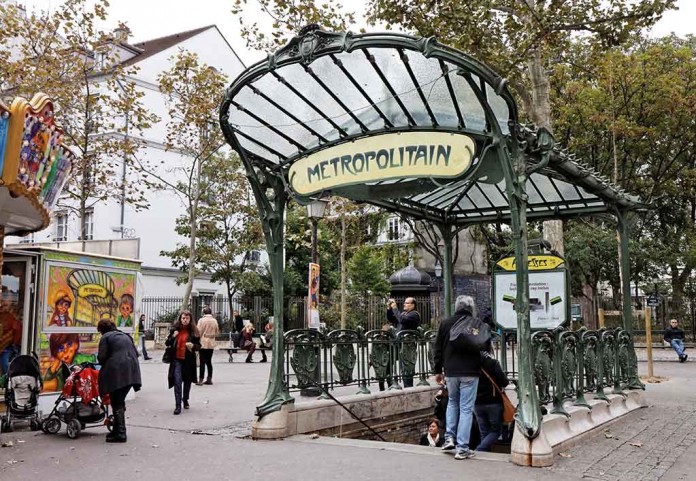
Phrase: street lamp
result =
(438, 275)
(315, 211)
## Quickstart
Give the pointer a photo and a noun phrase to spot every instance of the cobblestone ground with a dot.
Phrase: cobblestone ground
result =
(642, 449)
(648, 442)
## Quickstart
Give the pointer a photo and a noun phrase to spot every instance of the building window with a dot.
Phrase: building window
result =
(394, 229)
(89, 224)
(61, 227)
(253, 256)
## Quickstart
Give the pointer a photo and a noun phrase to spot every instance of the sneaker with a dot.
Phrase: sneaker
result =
(465, 454)
(449, 445)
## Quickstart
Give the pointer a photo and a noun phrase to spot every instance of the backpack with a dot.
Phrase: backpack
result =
(469, 334)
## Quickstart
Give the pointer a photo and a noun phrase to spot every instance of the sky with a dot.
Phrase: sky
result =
(149, 19)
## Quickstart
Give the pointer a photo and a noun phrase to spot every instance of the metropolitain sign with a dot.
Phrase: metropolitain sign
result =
(383, 157)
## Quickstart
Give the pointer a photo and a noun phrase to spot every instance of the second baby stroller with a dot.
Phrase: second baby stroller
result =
(79, 404)
(22, 388)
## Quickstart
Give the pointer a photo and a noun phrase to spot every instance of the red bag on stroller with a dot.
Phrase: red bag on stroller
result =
(83, 382)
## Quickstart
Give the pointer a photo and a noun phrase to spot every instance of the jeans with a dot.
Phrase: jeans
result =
(678, 346)
(490, 421)
(206, 360)
(9, 353)
(142, 344)
(178, 381)
(458, 419)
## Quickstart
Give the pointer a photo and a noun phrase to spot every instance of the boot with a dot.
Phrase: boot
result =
(118, 433)
(248, 358)
(200, 381)
(209, 380)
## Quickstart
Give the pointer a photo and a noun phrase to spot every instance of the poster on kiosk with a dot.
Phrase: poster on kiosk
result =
(548, 292)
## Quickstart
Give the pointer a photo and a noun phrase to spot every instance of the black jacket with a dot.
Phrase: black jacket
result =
(486, 393)
(404, 320)
(119, 363)
(455, 363)
(673, 333)
(188, 371)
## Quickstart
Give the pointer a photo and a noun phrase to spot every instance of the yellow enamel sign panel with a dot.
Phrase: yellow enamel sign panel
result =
(383, 157)
(535, 262)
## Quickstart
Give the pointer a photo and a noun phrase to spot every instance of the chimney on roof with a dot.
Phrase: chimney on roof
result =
(121, 33)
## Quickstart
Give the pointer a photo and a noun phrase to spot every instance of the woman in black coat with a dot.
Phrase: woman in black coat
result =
(183, 341)
(119, 372)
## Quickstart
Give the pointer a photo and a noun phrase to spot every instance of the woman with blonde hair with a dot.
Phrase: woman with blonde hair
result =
(184, 340)
(247, 343)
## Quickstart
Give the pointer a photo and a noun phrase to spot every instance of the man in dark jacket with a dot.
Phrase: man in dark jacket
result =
(462, 370)
(674, 336)
(407, 320)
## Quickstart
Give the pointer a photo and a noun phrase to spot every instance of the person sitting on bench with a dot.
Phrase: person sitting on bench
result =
(247, 343)
(267, 336)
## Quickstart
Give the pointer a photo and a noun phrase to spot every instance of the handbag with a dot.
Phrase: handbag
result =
(470, 334)
(167, 356)
(508, 409)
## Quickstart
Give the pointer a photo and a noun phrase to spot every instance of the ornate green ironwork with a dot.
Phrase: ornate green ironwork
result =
(305, 357)
(542, 343)
(344, 357)
(408, 352)
(589, 342)
(515, 155)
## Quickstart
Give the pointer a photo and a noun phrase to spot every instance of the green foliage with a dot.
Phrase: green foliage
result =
(366, 272)
(643, 97)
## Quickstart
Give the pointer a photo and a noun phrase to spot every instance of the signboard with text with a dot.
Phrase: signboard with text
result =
(383, 157)
(548, 295)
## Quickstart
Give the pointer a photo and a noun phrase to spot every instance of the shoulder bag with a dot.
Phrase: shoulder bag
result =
(508, 409)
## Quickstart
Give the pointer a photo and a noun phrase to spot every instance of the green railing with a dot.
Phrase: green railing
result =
(567, 364)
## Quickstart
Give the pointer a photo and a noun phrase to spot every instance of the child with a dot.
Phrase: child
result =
(125, 318)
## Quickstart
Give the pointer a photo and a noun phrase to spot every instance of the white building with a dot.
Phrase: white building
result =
(148, 232)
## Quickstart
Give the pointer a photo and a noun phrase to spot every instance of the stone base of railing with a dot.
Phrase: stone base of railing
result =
(560, 433)
(324, 415)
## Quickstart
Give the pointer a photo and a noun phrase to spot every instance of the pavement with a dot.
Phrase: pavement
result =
(211, 441)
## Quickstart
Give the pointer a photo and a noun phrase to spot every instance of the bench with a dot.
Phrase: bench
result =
(230, 351)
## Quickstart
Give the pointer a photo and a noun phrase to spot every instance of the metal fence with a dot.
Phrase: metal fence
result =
(683, 310)
(369, 312)
(567, 364)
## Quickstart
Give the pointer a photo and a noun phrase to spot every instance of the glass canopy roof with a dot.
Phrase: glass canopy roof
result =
(324, 89)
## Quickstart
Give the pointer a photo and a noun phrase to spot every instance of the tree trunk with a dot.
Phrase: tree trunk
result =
(193, 213)
(589, 306)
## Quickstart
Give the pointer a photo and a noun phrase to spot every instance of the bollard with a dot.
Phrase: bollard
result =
(648, 341)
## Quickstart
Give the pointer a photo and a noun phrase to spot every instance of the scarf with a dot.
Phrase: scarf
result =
(433, 442)
(181, 341)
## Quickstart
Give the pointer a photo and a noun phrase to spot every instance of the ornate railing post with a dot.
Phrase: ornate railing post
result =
(558, 370)
(422, 358)
(543, 346)
(363, 365)
(581, 353)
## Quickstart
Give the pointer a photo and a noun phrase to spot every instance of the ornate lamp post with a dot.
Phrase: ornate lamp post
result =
(438, 275)
(315, 211)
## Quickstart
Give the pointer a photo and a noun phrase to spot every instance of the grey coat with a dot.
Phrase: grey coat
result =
(119, 363)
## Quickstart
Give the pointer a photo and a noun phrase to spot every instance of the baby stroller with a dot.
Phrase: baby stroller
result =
(22, 387)
(79, 404)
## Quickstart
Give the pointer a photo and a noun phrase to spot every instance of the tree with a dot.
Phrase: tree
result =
(228, 229)
(101, 111)
(629, 114)
(192, 90)
(366, 273)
